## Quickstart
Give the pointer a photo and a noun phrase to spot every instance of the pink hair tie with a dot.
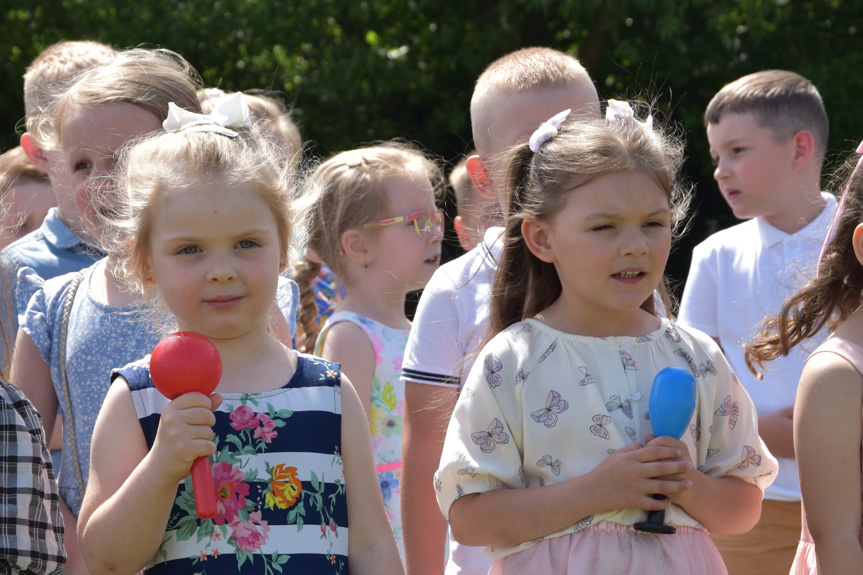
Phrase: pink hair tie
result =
(835, 223)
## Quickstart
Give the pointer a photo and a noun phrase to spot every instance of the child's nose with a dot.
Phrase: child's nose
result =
(720, 172)
(220, 269)
(635, 244)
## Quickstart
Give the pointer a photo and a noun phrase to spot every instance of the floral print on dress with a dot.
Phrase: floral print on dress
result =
(386, 408)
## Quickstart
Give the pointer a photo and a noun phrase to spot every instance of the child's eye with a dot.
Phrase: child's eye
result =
(714, 160)
(188, 250)
(602, 228)
(82, 165)
(737, 150)
(655, 224)
(246, 244)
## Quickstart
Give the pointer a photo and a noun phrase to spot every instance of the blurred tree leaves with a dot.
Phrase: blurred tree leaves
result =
(362, 70)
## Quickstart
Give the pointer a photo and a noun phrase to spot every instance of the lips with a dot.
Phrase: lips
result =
(223, 302)
(433, 260)
(629, 276)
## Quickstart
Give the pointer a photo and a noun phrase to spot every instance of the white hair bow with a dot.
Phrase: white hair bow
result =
(234, 111)
(547, 130)
(618, 109)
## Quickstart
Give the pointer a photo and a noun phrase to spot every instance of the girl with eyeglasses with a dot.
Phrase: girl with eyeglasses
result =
(371, 218)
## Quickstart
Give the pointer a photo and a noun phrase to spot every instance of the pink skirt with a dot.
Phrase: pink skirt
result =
(613, 549)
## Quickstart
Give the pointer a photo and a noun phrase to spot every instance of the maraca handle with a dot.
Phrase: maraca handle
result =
(204, 488)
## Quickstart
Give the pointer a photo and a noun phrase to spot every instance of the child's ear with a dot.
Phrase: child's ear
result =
(857, 242)
(354, 246)
(535, 234)
(34, 152)
(804, 148)
(461, 232)
(479, 176)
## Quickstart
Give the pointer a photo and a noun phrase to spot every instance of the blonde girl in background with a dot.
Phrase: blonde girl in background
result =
(203, 217)
(374, 222)
(549, 459)
(828, 409)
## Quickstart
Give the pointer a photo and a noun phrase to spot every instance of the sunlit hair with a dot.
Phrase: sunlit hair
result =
(48, 77)
(781, 101)
(461, 184)
(269, 110)
(15, 166)
(149, 79)
(830, 297)
(539, 184)
(167, 163)
(344, 192)
(520, 71)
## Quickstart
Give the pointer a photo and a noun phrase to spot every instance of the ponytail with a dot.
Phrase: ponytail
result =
(305, 273)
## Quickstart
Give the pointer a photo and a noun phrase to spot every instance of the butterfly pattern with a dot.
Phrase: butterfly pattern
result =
(468, 392)
(614, 403)
(630, 432)
(494, 436)
(643, 339)
(671, 334)
(598, 428)
(731, 409)
(469, 470)
(695, 428)
(554, 405)
(582, 524)
(587, 379)
(748, 457)
(548, 352)
(553, 464)
(692, 366)
(711, 453)
(521, 375)
(492, 368)
(628, 362)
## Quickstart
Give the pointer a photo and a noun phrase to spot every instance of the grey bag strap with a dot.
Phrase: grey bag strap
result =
(69, 424)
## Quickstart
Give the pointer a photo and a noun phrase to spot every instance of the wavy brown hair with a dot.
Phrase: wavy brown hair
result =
(539, 183)
(827, 299)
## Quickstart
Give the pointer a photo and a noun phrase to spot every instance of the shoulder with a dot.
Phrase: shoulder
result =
(738, 237)
(314, 371)
(16, 409)
(136, 374)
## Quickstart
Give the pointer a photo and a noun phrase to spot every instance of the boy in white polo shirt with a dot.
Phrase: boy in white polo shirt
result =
(511, 98)
(768, 136)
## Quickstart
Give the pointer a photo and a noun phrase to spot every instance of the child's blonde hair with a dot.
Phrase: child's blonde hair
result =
(166, 162)
(50, 74)
(517, 72)
(582, 152)
(345, 192)
(149, 79)
(267, 109)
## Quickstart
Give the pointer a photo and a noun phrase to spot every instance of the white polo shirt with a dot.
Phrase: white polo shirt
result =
(738, 277)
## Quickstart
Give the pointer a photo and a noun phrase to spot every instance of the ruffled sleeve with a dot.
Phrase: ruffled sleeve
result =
(33, 319)
(482, 450)
(726, 426)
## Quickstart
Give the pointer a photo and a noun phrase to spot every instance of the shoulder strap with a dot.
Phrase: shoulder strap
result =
(68, 420)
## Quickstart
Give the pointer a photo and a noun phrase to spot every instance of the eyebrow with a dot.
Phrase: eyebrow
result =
(611, 215)
(245, 234)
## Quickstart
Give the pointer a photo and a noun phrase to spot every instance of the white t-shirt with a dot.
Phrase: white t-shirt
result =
(450, 324)
(738, 277)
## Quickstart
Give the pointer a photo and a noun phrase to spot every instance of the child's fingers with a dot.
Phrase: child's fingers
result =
(667, 486)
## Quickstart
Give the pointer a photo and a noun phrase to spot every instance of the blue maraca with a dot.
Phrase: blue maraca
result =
(672, 402)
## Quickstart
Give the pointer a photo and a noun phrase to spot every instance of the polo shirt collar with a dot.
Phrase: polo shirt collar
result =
(59, 234)
(816, 229)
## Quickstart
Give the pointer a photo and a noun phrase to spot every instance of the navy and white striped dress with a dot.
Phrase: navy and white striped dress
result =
(280, 484)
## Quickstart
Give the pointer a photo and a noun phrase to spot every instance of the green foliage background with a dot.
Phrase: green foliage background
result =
(362, 70)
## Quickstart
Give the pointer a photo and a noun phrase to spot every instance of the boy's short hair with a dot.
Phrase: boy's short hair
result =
(51, 73)
(16, 166)
(783, 102)
(516, 72)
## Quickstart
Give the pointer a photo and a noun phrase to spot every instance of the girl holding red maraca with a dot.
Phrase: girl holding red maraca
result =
(203, 222)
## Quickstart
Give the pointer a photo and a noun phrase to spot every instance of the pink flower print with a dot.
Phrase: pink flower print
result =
(231, 491)
(397, 363)
(252, 534)
(332, 526)
(267, 429)
(377, 345)
(244, 418)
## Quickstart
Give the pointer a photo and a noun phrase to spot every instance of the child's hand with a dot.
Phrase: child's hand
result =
(631, 475)
(185, 433)
(689, 475)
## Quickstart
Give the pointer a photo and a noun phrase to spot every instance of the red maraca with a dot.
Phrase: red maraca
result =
(181, 363)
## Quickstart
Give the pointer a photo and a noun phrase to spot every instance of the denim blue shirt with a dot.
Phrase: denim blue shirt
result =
(52, 250)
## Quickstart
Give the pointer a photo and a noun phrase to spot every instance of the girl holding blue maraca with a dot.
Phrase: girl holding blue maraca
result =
(550, 457)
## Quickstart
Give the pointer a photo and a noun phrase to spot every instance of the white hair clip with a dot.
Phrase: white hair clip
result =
(234, 111)
(547, 130)
(618, 109)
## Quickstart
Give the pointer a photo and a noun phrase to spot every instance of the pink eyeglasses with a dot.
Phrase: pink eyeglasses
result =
(425, 222)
